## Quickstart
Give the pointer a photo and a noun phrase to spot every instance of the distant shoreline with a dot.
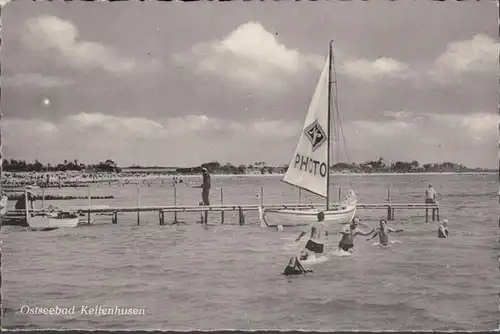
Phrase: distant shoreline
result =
(82, 177)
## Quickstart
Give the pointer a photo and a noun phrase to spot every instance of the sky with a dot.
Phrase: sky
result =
(179, 84)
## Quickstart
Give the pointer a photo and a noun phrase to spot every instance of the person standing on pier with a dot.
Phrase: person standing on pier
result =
(21, 203)
(205, 192)
(430, 198)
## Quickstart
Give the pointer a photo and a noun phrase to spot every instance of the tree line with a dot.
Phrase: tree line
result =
(376, 166)
(381, 166)
(13, 165)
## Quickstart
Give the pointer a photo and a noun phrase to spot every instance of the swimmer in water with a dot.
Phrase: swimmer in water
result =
(348, 234)
(383, 233)
(443, 229)
(315, 244)
(294, 267)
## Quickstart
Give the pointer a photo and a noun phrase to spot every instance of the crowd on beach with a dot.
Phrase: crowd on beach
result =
(57, 179)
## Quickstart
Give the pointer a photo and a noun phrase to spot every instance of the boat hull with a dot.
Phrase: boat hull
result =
(40, 222)
(3, 206)
(307, 216)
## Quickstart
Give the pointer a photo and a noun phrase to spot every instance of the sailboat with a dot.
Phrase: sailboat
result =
(309, 167)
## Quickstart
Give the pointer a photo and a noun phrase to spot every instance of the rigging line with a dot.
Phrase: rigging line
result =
(339, 122)
(341, 130)
(345, 145)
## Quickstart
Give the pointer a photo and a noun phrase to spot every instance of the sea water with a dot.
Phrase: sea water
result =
(230, 276)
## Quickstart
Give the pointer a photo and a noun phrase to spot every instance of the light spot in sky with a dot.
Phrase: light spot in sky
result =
(46, 102)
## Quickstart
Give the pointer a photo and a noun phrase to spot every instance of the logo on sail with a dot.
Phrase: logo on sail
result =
(315, 134)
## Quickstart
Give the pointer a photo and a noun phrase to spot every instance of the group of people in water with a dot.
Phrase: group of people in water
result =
(315, 245)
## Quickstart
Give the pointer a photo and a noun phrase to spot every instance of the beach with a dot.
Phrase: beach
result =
(229, 276)
(12, 179)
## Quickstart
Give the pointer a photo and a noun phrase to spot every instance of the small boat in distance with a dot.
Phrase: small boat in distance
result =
(53, 221)
(309, 168)
(3, 205)
(49, 220)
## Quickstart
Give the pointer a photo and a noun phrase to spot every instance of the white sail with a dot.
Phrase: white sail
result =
(309, 166)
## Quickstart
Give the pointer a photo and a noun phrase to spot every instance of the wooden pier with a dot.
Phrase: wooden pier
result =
(241, 209)
(389, 207)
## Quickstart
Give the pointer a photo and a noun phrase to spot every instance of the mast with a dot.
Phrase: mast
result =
(329, 127)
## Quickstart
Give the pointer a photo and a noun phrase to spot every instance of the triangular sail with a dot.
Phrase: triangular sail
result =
(309, 166)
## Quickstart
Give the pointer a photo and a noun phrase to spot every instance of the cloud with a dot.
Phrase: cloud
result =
(380, 68)
(262, 129)
(477, 126)
(52, 33)
(22, 80)
(250, 54)
(469, 139)
(122, 126)
(478, 54)
(192, 139)
(174, 127)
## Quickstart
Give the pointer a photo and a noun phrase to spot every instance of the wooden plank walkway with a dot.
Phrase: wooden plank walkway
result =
(389, 207)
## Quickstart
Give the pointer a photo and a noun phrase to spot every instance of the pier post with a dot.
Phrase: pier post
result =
(242, 216)
(89, 197)
(114, 218)
(389, 199)
(26, 206)
(202, 218)
(43, 197)
(340, 194)
(138, 193)
(161, 218)
(390, 210)
(222, 203)
(262, 195)
(175, 200)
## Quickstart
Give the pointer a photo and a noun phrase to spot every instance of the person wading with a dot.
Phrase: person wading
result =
(346, 243)
(294, 267)
(315, 244)
(443, 230)
(383, 233)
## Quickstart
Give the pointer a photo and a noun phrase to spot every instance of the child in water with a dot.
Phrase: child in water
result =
(443, 229)
(294, 267)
